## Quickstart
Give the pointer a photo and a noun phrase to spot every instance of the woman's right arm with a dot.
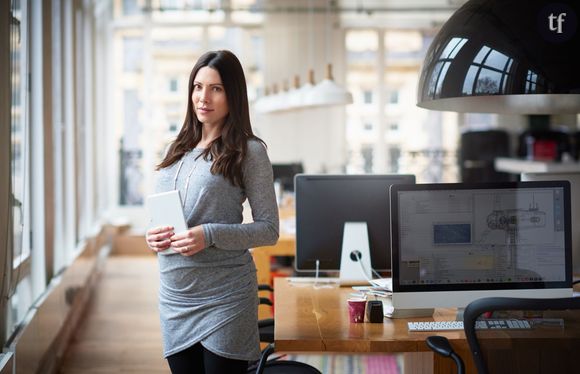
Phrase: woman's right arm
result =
(158, 238)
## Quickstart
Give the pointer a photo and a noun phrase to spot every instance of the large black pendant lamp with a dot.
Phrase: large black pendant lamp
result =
(505, 56)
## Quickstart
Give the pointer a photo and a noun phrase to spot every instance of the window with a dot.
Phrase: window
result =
(132, 54)
(367, 156)
(131, 154)
(394, 156)
(362, 53)
(534, 83)
(19, 127)
(19, 292)
(131, 7)
(488, 74)
(393, 97)
(173, 84)
(440, 71)
(368, 97)
(387, 63)
(47, 143)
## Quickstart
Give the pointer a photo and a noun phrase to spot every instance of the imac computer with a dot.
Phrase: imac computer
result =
(574, 179)
(453, 243)
(342, 224)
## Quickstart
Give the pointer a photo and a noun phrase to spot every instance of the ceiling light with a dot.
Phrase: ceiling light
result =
(505, 56)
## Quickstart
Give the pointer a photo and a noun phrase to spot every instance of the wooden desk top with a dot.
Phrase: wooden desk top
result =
(316, 320)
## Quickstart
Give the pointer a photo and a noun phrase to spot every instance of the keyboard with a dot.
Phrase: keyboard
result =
(485, 324)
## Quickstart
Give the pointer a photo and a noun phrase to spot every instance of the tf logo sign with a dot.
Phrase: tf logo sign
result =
(557, 22)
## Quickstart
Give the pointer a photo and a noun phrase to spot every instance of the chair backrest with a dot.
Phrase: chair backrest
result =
(552, 345)
(280, 366)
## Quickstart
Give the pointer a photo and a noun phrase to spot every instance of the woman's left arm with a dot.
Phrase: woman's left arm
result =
(259, 188)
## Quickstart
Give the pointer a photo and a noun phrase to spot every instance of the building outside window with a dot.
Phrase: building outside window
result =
(367, 151)
(393, 97)
(173, 84)
(398, 126)
(368, 97)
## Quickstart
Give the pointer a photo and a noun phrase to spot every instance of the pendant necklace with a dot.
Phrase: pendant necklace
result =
(186, 180)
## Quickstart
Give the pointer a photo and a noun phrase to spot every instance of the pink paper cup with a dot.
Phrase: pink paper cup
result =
(356, 310)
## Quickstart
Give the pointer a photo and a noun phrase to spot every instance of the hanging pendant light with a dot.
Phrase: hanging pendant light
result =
(305, 89)
(505, 56)
(325, 93)
(284, 97)
(328, 92)
(294, 98)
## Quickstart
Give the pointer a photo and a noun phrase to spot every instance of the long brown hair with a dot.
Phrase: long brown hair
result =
(228, 150)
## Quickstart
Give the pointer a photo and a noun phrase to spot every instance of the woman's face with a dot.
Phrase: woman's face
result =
(209, 97)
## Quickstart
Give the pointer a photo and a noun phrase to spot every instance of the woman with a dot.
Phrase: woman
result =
(208, 297)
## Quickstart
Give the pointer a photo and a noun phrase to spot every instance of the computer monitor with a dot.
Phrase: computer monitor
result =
(325, 203)
(284, 173)
(454, 243)
(574, 179)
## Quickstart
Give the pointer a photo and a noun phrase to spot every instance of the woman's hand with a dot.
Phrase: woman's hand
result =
(158, 238)
(189, 242)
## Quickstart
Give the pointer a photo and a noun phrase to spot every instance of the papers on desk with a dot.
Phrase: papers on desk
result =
(379, 287)
(386, 283)
(373, 291)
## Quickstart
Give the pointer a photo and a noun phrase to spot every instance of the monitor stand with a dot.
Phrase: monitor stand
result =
(391, 312)
(355, 255)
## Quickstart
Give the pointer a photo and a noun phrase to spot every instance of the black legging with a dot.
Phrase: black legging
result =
(198, 360)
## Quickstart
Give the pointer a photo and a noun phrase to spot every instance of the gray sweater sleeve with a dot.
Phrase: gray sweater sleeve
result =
(259, 189)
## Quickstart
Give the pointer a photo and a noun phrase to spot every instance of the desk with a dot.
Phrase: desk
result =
(316, 320)
(286, 246)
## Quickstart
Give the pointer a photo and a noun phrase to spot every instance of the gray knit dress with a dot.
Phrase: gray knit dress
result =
(212, 297)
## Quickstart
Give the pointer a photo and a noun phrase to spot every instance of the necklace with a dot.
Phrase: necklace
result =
(186, 180)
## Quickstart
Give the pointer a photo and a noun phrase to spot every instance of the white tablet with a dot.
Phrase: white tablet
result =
(165, 209)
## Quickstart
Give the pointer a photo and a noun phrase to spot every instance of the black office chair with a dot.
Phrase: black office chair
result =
(552, 345)
(280, 366)
(266, 326)
(277, 364)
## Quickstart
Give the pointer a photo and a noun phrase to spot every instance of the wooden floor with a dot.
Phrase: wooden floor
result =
(120, 331)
